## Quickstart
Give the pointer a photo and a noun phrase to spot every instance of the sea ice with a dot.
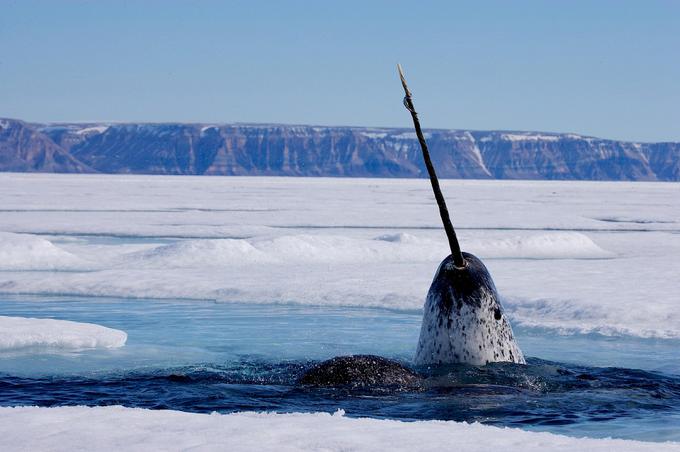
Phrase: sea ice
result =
(575, 257)
(115, 428)
(17, 333)
(29, 252)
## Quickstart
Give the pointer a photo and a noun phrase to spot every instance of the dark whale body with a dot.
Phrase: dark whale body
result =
(361, 371)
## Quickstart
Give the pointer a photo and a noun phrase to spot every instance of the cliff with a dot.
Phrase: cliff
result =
(282, 150)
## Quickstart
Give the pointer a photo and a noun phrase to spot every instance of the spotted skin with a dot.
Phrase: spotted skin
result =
(361, 371)
(463, 321)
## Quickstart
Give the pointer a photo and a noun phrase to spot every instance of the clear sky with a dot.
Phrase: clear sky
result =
(603, 68)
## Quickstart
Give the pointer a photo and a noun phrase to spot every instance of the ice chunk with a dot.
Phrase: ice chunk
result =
(23, 333)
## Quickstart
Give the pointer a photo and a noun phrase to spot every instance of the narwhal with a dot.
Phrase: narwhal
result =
(463, 321)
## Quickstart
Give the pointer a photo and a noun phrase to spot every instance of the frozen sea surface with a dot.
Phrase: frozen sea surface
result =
(113, 428)
(229, 287)
(570, 256)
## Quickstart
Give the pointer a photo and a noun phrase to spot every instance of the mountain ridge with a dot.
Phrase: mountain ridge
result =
(343, 151)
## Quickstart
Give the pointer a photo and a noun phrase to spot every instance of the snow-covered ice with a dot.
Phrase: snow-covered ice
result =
(328, 249)
(17, 333)
(29, 252)
(575, 257)
(116, 428)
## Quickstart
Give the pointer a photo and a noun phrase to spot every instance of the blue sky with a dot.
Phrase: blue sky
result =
(607, 68)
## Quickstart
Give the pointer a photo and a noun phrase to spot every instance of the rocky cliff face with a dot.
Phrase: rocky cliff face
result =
(326, 151)
(23, 148)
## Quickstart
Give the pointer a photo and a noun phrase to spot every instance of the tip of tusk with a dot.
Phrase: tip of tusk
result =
(403, 79)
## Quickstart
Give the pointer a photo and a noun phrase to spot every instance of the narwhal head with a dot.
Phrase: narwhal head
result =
(463, 321)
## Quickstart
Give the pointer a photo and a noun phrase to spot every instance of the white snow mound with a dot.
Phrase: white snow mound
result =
(194, 253)
(551, 245)
(390, 248)
(29, 252)
(116, 428)
(300, 249)
(22, 333)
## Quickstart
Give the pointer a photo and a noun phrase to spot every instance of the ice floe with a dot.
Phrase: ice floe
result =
(20, 333)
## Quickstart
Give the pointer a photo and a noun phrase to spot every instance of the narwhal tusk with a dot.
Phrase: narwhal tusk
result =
(458, 259)
(403, 80)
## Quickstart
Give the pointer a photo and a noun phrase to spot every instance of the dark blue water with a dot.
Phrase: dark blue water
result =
(204, 356)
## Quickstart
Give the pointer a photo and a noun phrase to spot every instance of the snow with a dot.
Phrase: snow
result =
(529, 137)
(374, 135)
(92, 130)
(322, 248)
(17, 333)
(574, 257)
(477, 153)
(411, 136)
(29, 252)
(116, 428)
(553, 245)
(206, 128)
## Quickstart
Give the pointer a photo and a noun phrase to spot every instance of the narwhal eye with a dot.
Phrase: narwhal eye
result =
(497, 313)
